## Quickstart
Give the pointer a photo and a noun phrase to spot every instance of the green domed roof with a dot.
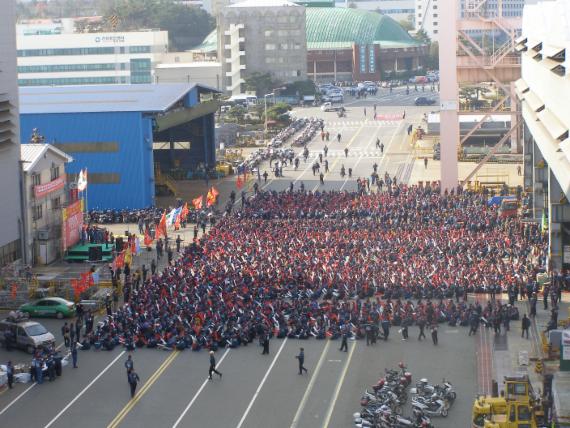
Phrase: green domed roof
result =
(341, 27)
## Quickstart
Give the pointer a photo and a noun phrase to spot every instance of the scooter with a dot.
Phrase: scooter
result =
(433, 406)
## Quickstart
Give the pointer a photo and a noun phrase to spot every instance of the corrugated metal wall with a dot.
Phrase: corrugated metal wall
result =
(132, 163)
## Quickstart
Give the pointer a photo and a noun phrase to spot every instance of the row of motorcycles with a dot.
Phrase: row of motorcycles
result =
(274, 151)
(313, 126)
(123, 216)
(382, 405)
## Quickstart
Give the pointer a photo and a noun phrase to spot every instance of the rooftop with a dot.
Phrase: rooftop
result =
(197, 64)
(335, 28)
(103, 98)
(32, 153)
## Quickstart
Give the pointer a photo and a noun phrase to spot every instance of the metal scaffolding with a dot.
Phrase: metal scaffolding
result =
(466, 58)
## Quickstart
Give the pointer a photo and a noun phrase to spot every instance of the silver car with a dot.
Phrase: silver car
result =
(27, 335)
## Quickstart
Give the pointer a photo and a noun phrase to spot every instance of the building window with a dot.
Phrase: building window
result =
(37, 212)
(435, 15)
(419, 15)
(268, 33)
(282, 33)
(435, 6)
(36, 179)
(270, 46)
(297, 46)
(434, 31)
(269, 60)
(435, 23)
(56, 203)
(283, 46)
(54, 171)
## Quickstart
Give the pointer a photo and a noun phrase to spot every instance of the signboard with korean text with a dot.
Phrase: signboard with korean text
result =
(72, 224)
(371, 59)
(42, 190)
(362, 58)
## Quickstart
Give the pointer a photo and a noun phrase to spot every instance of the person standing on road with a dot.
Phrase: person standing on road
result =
(301, 358)
(421, 325)
(265, 344)
(425, 162)
(74, 354)
(344, 344)
(133, 381)
(434, 333)
(10, 374)
(338, 137)
(65, 334)
(265, 175)
(346, 152)
(365, 112)
(326, 150)
(525, 326)
(213, 366)
(377, 143)
(326, 166)
(322, 178)
(178, 242)
(533, 302)
(129, 364)
(382, 148)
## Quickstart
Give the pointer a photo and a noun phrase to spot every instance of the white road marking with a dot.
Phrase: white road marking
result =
(17, 398)
(338, 386)
(310, 386)
(334, 361)
(240, 424)
(78, 396)
(197, 393)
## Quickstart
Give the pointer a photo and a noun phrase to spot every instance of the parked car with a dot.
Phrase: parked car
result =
(424, 101)
(49, 307)
(330, 107)
(27, 335)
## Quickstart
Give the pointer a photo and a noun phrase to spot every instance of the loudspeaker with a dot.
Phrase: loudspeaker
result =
(119, 244)
(95, 254)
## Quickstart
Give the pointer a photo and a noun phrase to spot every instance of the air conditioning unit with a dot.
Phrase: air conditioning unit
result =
(43, 235)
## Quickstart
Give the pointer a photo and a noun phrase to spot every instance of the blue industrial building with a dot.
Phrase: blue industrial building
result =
(122, 134)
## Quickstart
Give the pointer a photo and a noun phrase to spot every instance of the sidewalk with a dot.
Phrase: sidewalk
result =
(513, 354)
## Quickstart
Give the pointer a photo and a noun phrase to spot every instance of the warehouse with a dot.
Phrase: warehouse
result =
(122, 134)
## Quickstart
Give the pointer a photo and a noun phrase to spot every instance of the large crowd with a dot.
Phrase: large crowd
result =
(302, 264)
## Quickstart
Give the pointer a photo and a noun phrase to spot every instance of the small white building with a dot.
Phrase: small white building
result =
(203, 72)
(45, 197)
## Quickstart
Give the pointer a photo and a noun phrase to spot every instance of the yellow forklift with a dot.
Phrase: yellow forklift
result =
(518, 407)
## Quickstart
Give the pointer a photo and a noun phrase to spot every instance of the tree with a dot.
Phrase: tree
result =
(260, 83)
(432, 61)
(186, 26)
(299, 88)
(422, 37)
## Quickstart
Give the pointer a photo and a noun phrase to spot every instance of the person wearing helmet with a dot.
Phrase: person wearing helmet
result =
(213, 366)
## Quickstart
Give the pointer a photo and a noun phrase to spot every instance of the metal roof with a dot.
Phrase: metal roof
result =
(31, 153)
(334, 26)
(103, 98)
(209, 44)
(263, 3)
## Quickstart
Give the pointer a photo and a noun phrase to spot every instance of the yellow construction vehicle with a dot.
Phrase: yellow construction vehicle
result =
(518, 407)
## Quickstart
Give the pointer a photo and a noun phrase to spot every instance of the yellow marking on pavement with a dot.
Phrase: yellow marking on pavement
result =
(338, 386)
(129, 406)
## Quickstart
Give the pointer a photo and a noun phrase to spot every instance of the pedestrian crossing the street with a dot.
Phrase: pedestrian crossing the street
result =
(359, 123)
(352, 153)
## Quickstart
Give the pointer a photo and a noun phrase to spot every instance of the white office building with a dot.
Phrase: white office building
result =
(398, 10)
(88, 58)
(10, 191)
(427, 17)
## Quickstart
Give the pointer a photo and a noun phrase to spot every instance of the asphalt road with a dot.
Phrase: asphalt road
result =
(258, 391)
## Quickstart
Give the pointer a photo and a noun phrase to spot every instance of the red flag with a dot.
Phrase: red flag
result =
(133, 247)
(147, 238)
(177, 221)
(239, 182)
(161, 228)
(198, 202)
(14, 291)
(214, 191)
(245, 175)
(185, 211)
(210, 198)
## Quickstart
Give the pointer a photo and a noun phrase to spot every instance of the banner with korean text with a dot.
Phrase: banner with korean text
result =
(72, 224)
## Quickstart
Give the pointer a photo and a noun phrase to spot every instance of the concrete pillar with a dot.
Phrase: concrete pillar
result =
(449, 128)
(528, 161)
(540, 182)
(396, 64)
(555, 194)
(516, 135)
(315, 70)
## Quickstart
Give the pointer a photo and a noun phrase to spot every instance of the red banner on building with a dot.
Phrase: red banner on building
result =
(72, 224)
(42, 190)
